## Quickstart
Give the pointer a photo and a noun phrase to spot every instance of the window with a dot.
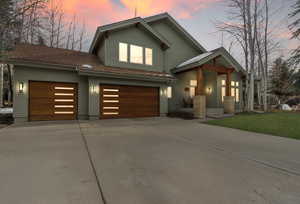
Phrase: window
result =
(192, 92)
(149, 57)
(136, 54)
(235, 91)
(169, 92)
(123, 52)
(223, 89)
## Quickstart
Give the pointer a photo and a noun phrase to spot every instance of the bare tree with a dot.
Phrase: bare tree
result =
(82, 36)
(249, 26)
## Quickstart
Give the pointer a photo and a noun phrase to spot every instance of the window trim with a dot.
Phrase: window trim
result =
(130, 46)
(145, 48)
(127, 53)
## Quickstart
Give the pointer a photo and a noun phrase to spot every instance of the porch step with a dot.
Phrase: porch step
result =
(185, 113)
(220, 116)
(215, 111)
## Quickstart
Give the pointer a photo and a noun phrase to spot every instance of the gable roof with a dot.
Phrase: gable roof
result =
(185, 34)
(206, 57)
(124, 24)
(63, 59)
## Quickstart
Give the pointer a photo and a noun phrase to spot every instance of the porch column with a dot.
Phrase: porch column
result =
(228, 84)
(229, 103)
(200, 99)
(200, 82)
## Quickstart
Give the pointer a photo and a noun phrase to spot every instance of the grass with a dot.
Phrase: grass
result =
(281, 124)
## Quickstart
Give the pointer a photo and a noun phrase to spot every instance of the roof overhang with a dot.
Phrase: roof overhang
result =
(89, 72)
(206, 57)
(115, 75)
(102, 31)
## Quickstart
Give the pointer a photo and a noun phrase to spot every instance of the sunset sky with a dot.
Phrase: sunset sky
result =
(197, 16)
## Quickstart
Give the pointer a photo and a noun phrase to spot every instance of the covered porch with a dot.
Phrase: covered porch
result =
(209, 85)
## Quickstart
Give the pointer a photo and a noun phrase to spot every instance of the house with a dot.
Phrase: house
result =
(141, 67)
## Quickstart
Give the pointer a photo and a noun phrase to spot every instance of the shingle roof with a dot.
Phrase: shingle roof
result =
(37, 54)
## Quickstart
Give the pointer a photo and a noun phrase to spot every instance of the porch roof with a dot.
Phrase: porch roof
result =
(206, 57)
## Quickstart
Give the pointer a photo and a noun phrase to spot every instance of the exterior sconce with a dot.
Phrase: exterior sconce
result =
(209, 90)
(94, 89)
(21, 87)
(193, 83)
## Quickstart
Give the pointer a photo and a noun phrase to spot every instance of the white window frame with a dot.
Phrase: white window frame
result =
(121, 57)
(132, 60)
(150, 60)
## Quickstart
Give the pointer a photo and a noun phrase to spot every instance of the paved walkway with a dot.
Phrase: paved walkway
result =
(145, 161)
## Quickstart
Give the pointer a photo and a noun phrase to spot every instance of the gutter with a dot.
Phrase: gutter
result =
(85, 72)
(125, 76)
(34, 64)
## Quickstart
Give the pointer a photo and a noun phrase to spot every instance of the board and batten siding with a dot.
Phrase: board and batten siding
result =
(134, 36)
(26, 74)
(180, 50)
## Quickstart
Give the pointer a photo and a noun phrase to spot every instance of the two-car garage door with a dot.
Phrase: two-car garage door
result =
(58, 101)
(128, 101)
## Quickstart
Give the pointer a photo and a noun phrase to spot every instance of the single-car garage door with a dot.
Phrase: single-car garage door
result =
(52, 101)
(128, 101)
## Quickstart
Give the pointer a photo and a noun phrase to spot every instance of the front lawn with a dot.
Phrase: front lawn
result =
(280, 124)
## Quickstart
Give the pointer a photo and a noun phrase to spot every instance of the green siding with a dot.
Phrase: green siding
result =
(211, 80)
(180, 50)
(94, 98)
(135, 36)
(26, 74)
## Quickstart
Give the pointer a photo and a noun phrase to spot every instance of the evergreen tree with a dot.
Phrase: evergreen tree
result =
(295, 27)
(283, 79)
(6, 26)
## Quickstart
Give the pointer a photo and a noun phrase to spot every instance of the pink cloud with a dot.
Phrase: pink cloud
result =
(99, 12)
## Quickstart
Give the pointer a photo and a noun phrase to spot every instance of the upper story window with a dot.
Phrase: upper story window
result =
(136, 54)
(123, 52)
(149, 56)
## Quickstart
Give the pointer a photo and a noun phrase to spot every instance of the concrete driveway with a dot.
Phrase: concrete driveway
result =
(145, 161)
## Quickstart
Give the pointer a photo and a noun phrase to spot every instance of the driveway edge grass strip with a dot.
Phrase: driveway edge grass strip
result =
(276, 124)
(92, 165)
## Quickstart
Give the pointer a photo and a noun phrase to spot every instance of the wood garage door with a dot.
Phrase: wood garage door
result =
(128, 101)
(52, 101)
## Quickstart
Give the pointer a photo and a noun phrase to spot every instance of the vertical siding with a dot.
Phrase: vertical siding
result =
(181, 50)
(135, 36)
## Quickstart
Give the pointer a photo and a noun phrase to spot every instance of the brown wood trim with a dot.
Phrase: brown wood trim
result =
(200, 82)
(219, 69)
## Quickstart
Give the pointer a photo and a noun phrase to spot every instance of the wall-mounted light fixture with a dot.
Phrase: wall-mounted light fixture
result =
(94, 89)
(21, 87)
(208, 90)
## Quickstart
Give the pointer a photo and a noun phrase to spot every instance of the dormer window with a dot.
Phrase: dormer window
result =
(123, 52)
(136, 54)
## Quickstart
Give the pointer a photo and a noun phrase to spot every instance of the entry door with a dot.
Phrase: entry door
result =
(52, 101)
(128, 101)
